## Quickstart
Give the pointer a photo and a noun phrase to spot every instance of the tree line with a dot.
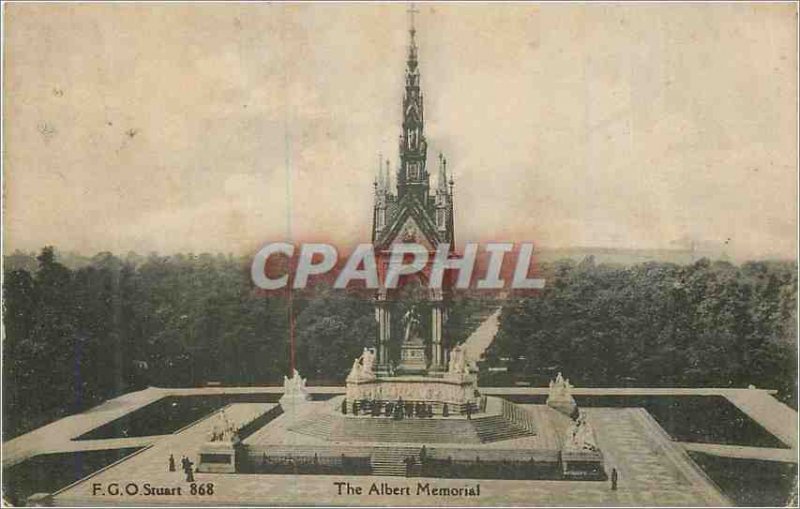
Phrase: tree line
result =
(707, 324)
(77, 336)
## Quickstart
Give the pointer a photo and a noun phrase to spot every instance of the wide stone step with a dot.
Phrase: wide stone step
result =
(512, 422)
(411, 430)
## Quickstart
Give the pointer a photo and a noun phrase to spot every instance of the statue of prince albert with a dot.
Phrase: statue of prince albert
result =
(411, 321)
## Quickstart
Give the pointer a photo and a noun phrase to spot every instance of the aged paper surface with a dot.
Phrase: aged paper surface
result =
(400, 255)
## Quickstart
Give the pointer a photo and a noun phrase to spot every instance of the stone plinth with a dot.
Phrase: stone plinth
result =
(218, 457)
(582, 465)
(412, 357)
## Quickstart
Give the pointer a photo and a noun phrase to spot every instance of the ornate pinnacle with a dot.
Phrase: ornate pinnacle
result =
(442, 180)
(412, 46)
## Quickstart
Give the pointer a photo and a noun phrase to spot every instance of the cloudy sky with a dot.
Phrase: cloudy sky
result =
(177, 128)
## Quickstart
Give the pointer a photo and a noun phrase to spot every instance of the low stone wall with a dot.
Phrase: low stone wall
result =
(305, 460)
(494, 455)
(480, 469)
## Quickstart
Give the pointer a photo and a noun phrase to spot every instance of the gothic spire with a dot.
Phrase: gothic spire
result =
(441, 183)
(380, 182)
(419, 205)
(412, 175)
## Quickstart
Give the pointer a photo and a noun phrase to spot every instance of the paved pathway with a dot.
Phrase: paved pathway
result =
(105, 444)
(56, 436)
(726, 392)
(738, 451)
(777, 418)
(483, 336)
(653, 470)
(645, 457)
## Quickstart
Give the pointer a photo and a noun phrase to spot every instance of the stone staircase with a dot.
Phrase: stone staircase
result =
(513, 422)
(518, 415)
(432, 431)
(384, 429)
(391, 461)
(496, 428)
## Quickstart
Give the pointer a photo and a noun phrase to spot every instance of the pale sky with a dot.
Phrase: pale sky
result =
(173, 127)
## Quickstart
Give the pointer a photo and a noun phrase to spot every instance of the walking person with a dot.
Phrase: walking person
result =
(189, 470)
(614, 479)
(171, 463)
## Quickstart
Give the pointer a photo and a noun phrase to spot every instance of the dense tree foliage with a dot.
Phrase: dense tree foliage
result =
(77, 336)
(655, 324)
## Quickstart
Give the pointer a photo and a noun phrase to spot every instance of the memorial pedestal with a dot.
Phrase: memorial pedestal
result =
(582, 465)
(218, 457)
(412, 358)
(456, 391)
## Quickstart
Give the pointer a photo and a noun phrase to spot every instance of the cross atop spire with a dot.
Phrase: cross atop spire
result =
(412, 45)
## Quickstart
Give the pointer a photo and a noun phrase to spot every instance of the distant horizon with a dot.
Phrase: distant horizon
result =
(189, 128)
(548, 252)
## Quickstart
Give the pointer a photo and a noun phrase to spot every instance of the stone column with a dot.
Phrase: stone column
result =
(384, 317)
(436, 336)
(379, 346)
(387, 334)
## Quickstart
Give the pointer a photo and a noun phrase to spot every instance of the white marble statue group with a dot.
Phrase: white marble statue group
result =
(295, 388)
(560, 396)
(224, 431)
(560, 389)
(580, 436)
(363, 366)
(459, 364)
